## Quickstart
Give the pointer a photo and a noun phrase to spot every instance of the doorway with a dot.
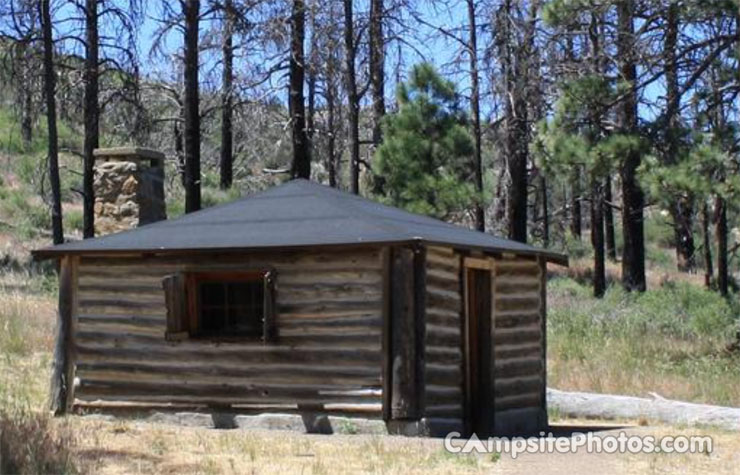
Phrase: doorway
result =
(478, 394)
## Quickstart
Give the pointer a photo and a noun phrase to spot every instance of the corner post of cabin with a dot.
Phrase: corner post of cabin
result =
(62, 380)
(407, 310)
(544, 422)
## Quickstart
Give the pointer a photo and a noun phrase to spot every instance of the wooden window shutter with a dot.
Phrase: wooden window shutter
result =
(175, 294)
(269, 326)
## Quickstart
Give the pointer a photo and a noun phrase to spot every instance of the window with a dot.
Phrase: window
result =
(220, 305)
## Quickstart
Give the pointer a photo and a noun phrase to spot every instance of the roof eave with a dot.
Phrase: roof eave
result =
(52, 253)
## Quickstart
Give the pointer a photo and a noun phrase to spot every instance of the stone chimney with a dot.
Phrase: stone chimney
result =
(129, 188)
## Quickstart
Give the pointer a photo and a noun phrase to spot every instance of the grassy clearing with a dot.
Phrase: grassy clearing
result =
(671, 340)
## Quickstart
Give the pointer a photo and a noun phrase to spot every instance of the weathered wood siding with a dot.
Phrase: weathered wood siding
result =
(443, 341)
(518, 354)
(328, 349)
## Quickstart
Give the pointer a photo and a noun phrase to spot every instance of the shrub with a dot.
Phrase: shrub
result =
(29, 444)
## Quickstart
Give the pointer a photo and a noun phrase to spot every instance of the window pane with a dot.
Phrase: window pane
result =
(233, 308)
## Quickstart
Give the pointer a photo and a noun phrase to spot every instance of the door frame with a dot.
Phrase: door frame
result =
(478, 367)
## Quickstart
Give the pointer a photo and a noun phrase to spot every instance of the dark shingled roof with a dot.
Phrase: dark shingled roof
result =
(295, 214)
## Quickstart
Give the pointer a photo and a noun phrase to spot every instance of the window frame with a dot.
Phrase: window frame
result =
(184, 308)
(193, 282)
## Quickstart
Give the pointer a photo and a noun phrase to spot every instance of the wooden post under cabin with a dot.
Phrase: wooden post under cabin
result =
(62, 379)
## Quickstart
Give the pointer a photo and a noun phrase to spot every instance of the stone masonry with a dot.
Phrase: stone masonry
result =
(129, 188)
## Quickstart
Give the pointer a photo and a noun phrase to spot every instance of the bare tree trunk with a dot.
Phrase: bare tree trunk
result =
(480, 217)
(377, 67)
(707, 245)
(92, 116)
(301, 167)
(350, 53)
(682, 210)
(633, 253)
(191, 106)
(51, 118)
(597, 238)
(721, 236)
(611, 242)
(516, 120)
(226, 164)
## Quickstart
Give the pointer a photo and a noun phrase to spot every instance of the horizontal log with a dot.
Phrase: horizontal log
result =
(234, 394)
(371, 277)
(443, 355)
(243, 354)
(320, 306)
(133, 303)
(445, 264)
(518, 367)
(517, 268)
(444, 410)
(329, 403)
(363, 339)
(515, 386)
(504, 303)
(122, 319)
(347, 313)
(511, 285)
(441, 250)
(437, 335)
(291, 321)
(116, 287)
(212, 374)
(324, 335)
(436, 394)
(518, 335)
(518, 318)
(530, 399)
(370, 255)
(443, 375)
(439, 276)
(518, 350)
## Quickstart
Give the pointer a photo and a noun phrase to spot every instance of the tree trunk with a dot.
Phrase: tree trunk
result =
(226, 164)
(91, 117)
(26, 93)
(721, 236)
(51, 119)
(707, 245)
(191, 106)
(545, 213)
(301, 167)
(597, 238)
(515, 143)
(480, 219)
(633, 253)
(576, 218)
(353, 116)
(611, 243)
(377, 67)
(682, 209)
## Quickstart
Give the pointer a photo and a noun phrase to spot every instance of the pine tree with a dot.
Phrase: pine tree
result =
(426, 152)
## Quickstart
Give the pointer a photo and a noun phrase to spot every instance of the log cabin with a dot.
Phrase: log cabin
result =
(306, 299)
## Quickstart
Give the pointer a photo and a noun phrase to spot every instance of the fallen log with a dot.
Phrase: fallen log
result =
(656, 408)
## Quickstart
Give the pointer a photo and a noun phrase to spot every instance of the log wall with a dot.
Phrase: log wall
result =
(443, 340)
(519, 340)
(328, 348)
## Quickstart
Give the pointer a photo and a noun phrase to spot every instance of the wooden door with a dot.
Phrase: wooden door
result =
(478, 397)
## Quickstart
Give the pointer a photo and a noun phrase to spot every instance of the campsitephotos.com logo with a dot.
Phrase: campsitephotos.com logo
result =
(590, 442)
